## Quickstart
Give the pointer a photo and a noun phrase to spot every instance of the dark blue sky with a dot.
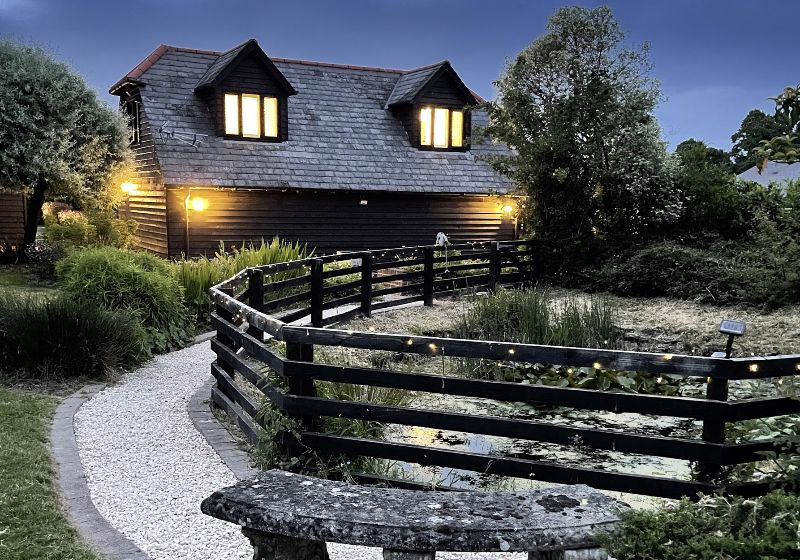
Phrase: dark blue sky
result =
(716, 59)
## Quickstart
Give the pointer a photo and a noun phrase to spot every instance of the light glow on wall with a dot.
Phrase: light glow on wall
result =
(425, 126)
(271, 117)
(231, 114)
(251, 121)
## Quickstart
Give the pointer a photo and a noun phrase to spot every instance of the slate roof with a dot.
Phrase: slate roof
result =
(775, 172)
(219, 65)
(409, 84)
(340, 135)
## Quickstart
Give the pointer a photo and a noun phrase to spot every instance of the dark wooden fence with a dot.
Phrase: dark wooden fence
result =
(259, 304)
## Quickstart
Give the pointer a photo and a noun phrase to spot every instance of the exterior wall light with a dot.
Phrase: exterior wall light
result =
(129, 187)
(196, 204)
(507, 209)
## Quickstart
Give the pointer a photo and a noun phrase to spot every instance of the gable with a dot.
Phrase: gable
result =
(444, 91)
(247, 60)
(250, 76)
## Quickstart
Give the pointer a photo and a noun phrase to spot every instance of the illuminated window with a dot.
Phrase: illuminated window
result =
(231, 114)
(271, 117)
(425, 126)
(251, 116)
(457, 129)
(441, 128)
(440, 132)
(245, 118)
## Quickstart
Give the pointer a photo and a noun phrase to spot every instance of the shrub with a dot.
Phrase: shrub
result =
(69, 227)
(42, 257)
(66, 338)
(198, 275)
(715, 528)
(134, 281)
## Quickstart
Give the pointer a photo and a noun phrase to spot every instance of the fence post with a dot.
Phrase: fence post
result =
(301, 386)
(494, 265)
(713, 428)
(255, 298)
(366, 284)
(427, 282)
(225, 315)
(316, 292)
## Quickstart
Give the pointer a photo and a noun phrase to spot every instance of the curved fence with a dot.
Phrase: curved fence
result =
(293, 302)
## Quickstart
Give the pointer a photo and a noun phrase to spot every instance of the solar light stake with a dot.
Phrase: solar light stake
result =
(733, 329)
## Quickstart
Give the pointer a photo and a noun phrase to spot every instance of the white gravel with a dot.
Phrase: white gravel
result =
(148, 468)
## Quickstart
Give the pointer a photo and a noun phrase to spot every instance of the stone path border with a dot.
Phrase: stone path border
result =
(93, 527)
(217, 435)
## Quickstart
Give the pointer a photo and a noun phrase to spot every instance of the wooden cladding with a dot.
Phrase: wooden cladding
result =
(332, 221)
(149, 210)
(12, 220)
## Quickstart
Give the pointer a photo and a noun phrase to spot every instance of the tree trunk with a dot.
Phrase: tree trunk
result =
(35, 202)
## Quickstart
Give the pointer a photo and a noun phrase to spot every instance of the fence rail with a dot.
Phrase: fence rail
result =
(329, 289)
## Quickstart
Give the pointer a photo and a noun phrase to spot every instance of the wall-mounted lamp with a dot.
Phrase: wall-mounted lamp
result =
(129, 187)
(507, 209)
(196, 203)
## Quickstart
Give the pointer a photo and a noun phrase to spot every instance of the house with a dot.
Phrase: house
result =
(774, 172)
(237, 146)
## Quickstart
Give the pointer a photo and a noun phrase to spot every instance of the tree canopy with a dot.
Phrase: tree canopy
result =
(784, 147)
(756, 127)
(56, 137)
(577, 108)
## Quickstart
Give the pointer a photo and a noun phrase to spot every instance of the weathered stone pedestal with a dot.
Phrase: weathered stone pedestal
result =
(291, 517)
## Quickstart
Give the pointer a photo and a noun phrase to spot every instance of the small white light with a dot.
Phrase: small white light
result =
(371, 328)
(511, 351)
(597, 365)
(409, 342)
(570, 370)
(432, 346)
(753, 368)
(667, 357)
(660, 380)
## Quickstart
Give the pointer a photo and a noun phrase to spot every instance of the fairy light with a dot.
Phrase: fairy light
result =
(410, 341)
(432, 346)
(797, 367)
(660, 380)
(371, 328)
(667, 357)
(597, 365)
(570, 370)
(753, 368)
(511, 351)
(708, 380)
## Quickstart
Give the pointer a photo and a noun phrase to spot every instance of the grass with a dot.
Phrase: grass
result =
(32, 524)
(18, 280)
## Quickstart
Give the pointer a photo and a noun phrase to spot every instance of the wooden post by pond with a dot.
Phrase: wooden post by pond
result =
(427, 283)
(316, 292)
(255, 298)
(713, 428)
(494, 265)
(366, 284)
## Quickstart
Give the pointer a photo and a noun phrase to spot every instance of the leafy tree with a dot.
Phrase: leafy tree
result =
(785, 147)
(577, 107)
(57, 139)
(756, 127)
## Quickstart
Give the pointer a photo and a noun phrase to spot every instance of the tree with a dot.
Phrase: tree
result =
(577, 108)
(756, 127)
(785, 147)
(56, 137)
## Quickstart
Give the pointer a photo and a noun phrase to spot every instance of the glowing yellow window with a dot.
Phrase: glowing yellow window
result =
(251, 116)
(457, 129)
(271, 117)
(440, 118)
(231, 113)
(425, 126)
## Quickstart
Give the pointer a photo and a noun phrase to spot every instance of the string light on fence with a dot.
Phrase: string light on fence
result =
(570, 370)
(659, 380)
(511, 351)
(432, 346)
(753, 368)
(667, 357)
(797, 367)
(597, 365)
(410, 341)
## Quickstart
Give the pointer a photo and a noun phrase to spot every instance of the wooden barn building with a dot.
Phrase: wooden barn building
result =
(12, 223)
(339, 157)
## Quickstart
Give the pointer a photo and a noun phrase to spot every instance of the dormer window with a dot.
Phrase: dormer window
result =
(440, 127)
(250, 115)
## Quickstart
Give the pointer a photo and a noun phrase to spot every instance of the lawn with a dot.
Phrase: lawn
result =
(18, 279)
(32, 523)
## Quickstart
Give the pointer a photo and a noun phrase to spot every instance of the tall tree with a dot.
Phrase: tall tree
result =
(784, 147)
(756, 127)
(56, 137)
(577, 108)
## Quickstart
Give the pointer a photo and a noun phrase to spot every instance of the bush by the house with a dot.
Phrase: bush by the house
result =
(62, 337)
(134, 281)
(68, 227)
(198, 275)
(716, 528)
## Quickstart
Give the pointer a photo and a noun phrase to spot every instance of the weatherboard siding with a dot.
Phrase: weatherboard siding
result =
(12, 219)
(332, 222)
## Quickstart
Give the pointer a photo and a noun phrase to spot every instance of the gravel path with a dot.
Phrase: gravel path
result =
(148, 469)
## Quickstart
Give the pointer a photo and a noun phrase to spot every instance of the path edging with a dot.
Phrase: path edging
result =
(81, 511)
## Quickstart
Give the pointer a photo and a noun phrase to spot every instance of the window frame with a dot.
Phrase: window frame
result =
(132, 111)
(261, 115)
(465, 125)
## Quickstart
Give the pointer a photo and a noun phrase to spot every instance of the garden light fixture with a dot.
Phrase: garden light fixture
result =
(733, 329)
(129, 187)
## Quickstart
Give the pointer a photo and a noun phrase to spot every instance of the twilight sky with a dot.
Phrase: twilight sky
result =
(716, 59)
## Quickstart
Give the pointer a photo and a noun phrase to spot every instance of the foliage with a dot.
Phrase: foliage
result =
(196, 276)
(31, 511)
(134, 281)
(42, 256)
(577, 107)
(784, 147)
(756, 128)
(69, 227)
(715, 528)
(61, 337)
(535, 317)
(58, 138)
(72, 228)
